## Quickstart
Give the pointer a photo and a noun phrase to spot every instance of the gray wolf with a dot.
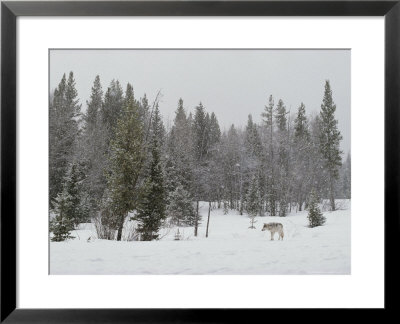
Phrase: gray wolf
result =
(273, 228)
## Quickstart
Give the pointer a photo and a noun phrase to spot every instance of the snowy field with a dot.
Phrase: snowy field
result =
(231, 248)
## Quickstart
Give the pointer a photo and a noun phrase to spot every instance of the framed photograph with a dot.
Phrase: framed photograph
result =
(171, 161)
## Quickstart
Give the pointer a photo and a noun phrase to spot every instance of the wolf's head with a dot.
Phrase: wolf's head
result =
(265, 227)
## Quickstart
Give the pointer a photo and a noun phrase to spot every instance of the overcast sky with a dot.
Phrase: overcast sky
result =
(231, 83)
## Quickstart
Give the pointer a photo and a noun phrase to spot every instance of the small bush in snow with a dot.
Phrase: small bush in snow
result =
(315, 217)
(103, 225)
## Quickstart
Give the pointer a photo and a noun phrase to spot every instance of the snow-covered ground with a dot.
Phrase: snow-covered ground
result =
(231, 248)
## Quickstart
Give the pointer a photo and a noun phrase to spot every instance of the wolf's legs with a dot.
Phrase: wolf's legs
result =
(272, 236)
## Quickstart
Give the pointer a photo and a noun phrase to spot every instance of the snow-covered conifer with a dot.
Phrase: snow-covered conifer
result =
(64, 130)
(126, 161)
(302, 156)
(151, 209)
(271, 183)
(329, 141)
(70, 206)
(94, 148)
(179, 165)
(180, 207)
(113, 107)
(315, 217)
(282, 158)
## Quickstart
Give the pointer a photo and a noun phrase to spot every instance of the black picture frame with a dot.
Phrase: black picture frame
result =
(9, 13)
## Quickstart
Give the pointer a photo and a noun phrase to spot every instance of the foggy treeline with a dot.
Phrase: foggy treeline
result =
(118, 161)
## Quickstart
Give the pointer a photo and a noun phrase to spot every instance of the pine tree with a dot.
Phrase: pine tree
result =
(64, 130)
(61, 227)
(200, 133)
(94, 106)
(230, 162)
(318, 173)
(302, 155)
(125, 164)
(94, 148)
(253, 201)
(200, 137)
(315, 217)
(144, 110)
(283, 157)
(179, 168)
(70, 207)
(301, 124)
(271, 193)
(215, 132)
(57, 165)
(254, 161)
(71, 95)
(157, 131)
(268, 114)
(253, 139)
(180, 207)
(329, 140)
(280, 116)
(113, 107)
(207, 132)
(151, 210)
(249, 140)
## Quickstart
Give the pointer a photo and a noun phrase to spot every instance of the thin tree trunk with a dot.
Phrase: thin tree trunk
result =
(196, 222)
(332, 194)
(208, 219)
(120, 227)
